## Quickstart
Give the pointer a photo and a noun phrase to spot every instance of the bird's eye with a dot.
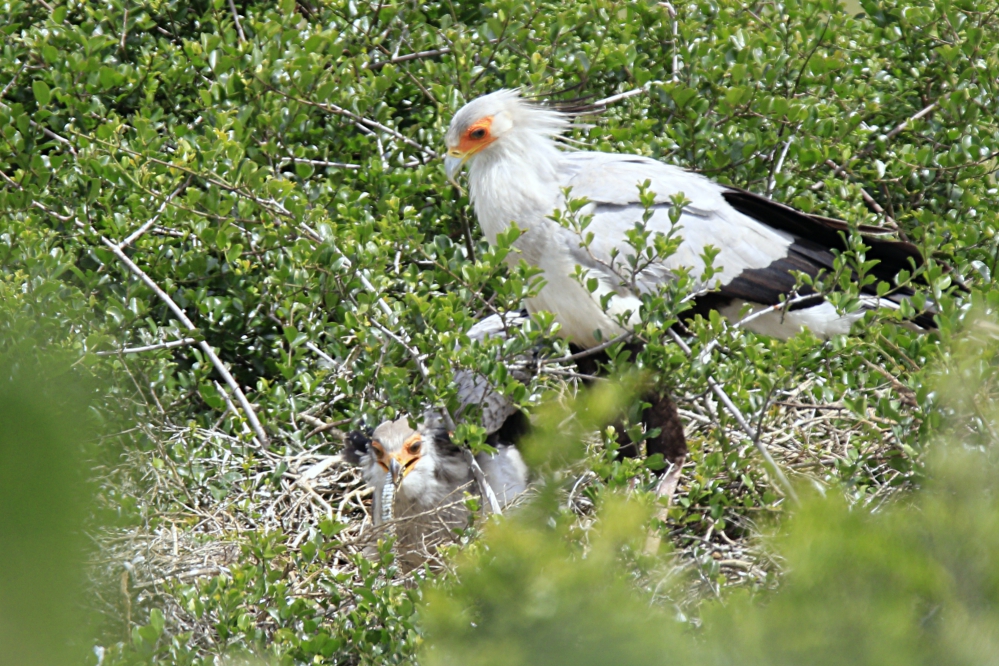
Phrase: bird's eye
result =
(377, 448)
(477, 134)
(414, 448)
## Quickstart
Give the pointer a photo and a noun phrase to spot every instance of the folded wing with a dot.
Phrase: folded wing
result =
(761, 243)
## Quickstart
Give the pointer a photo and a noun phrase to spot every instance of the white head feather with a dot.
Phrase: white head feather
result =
(508, 144)
(511, 115)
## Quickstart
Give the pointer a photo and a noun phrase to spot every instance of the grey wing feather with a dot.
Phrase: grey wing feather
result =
(762, 244)
(505, 471)
(610, 183)
(475, 389)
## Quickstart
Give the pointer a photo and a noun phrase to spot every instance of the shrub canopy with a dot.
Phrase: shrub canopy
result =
(273, 168)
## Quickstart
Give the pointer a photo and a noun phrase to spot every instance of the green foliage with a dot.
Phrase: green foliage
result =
(255, 612)
(527, 598)
(910, 585)
(279, 162)
(914, 583)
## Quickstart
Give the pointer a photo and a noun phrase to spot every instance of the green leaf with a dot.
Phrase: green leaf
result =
(211, 396)
(156, 620)
(42, 92)
(108, 77)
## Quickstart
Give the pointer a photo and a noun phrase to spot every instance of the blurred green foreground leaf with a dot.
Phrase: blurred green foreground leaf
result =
(912, 583)
(42, 511)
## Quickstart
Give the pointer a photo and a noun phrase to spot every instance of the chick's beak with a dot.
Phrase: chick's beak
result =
(401, 464)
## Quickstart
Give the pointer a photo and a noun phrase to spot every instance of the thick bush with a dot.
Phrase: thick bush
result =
(250, 193)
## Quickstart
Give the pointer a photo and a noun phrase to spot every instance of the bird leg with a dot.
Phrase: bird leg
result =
(670, 441)
(662, 418)
(661, 415)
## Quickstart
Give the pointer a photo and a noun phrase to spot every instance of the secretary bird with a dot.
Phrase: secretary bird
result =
(517, 174)
(419, 478)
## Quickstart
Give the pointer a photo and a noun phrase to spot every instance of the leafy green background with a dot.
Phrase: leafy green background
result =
(283, 170)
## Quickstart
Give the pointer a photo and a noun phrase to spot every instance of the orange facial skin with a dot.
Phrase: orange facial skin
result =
(475, 138)
(407, 457)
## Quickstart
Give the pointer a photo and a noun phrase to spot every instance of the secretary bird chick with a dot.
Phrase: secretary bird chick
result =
(419, 478)
(517, 174)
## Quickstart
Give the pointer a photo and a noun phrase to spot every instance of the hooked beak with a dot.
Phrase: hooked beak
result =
(396, 471)
(453, 163)
(400, 464)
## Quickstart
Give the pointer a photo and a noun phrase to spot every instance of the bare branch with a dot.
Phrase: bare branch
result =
(840, 171)
(193, 573)
(235, 18)
(320, 353)
(52, 135)
(272, 206)
(865, 195)
(323, 163)
(44, 130)
(11, 181)
(621, 96)
(138, 350)
(319, 426)
(409, 56)
(480, 480)
(61, 218)
(304, 484)
(676, 38)
(624, 337)
(251, 416)
(414, 353)
(329, 107)
(148, 225)
(124, 32)
(898, 128)
(780, 165)
(13, 80)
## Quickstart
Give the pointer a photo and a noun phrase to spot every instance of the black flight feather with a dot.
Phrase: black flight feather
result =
(816, 238)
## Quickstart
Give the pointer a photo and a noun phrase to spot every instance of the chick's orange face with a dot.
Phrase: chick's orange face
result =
(406, 457)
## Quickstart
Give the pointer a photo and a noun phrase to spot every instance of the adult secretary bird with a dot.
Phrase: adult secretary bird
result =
(517, 174)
